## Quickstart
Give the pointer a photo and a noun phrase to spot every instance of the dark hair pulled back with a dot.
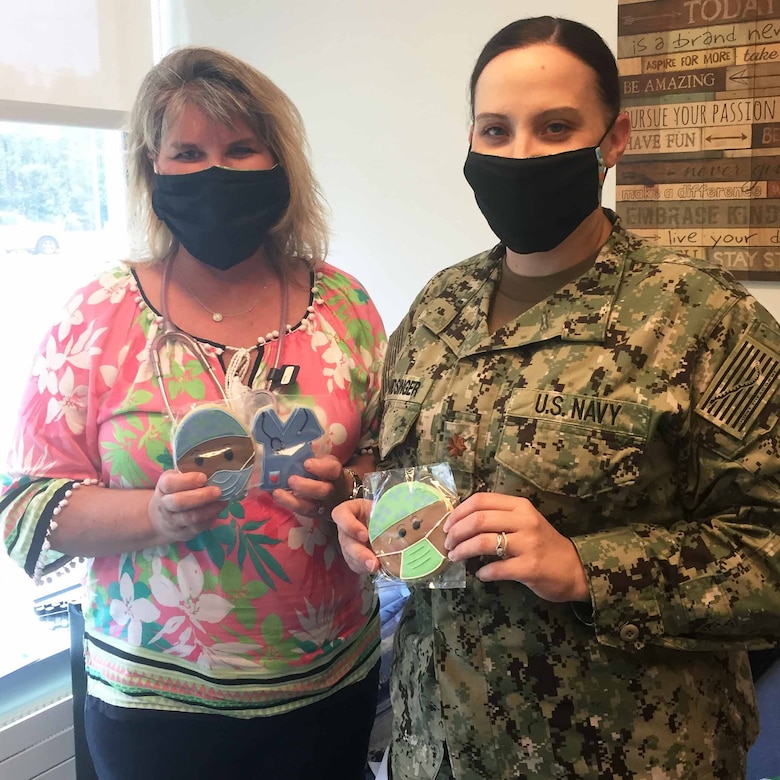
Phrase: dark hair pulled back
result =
(576, 38)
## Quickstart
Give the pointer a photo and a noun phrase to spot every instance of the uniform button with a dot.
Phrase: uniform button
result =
(629, 633)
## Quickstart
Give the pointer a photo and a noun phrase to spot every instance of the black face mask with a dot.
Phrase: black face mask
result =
(533, 204)
(221, 216)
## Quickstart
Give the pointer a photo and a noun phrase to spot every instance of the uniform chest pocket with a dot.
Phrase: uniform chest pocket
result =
(435, 438)
(451, 437)
(573, 446)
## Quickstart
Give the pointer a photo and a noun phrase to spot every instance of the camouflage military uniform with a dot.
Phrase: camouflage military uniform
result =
(637, 409)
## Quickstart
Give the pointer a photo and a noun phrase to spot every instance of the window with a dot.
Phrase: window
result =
(62, 219)
(68, 75)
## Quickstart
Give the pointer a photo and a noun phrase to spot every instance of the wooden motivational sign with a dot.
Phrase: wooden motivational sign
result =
(701, 83)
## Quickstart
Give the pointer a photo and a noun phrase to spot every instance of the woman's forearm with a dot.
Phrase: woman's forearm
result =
(98, 521)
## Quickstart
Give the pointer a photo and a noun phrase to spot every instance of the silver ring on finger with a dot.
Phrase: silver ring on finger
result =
(501, 545)
(319, 508)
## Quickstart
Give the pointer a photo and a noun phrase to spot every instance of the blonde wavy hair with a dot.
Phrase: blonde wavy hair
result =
(225, 89)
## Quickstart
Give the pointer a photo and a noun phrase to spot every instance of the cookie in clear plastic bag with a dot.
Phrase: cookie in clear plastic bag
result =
(406, 527)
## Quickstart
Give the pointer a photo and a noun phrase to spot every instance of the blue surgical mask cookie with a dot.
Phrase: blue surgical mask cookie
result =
(212, 440)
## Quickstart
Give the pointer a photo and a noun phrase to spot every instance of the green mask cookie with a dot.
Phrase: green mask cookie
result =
(406, 530)
(419, 560)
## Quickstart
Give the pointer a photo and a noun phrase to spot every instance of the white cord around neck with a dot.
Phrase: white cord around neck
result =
(236, 371)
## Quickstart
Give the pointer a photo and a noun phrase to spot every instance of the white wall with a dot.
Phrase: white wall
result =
(383, 90)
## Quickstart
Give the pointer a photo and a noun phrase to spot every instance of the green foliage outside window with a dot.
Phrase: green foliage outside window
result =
(53, 175)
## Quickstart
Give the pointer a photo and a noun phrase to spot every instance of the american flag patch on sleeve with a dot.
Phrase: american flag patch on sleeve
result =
(739, 391)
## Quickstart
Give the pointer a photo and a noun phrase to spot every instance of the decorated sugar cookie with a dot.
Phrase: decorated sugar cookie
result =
(286, 443)
(212, 440)
(406, 531)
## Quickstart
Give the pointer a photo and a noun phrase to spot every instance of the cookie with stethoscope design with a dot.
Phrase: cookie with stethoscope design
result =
(212, 440)
(406, 530)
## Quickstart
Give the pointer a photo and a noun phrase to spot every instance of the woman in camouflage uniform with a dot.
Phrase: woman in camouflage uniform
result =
(610, 412)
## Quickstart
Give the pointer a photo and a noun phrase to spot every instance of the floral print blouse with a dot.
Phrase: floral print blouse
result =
(258, 615)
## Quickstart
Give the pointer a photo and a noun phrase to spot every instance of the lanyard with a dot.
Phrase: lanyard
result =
(170, 334)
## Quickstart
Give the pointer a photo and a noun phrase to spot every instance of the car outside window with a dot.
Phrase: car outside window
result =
(20, 234)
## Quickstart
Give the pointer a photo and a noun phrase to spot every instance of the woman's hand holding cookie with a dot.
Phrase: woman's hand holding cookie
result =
(522, 544)
(351, 519)
(183, 506)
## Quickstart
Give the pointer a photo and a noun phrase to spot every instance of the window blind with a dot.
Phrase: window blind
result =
(78, 62)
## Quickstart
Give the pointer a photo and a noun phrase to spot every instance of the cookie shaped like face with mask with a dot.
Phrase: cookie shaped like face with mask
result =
(213, 441)
(406, 530)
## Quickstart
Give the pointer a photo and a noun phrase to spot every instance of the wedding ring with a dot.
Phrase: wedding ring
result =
(501, 546)
(320, 508)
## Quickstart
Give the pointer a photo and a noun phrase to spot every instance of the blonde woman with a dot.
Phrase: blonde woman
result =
(225, 636)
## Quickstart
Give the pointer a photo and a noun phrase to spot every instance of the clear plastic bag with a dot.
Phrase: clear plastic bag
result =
(406, 525)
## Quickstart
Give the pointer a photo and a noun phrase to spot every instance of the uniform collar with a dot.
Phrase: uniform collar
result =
(458, 313)
(579, 311)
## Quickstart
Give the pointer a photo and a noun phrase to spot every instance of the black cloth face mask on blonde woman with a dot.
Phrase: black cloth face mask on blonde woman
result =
(221, 216)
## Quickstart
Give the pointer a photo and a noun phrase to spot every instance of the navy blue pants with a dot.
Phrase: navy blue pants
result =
(327, 740)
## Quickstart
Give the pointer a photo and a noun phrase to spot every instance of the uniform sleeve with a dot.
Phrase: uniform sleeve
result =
(53, 446)
(395, 345)
(712, 581)
(396, 348)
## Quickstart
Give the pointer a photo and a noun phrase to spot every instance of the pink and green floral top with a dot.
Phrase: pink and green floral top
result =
(256, 616)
